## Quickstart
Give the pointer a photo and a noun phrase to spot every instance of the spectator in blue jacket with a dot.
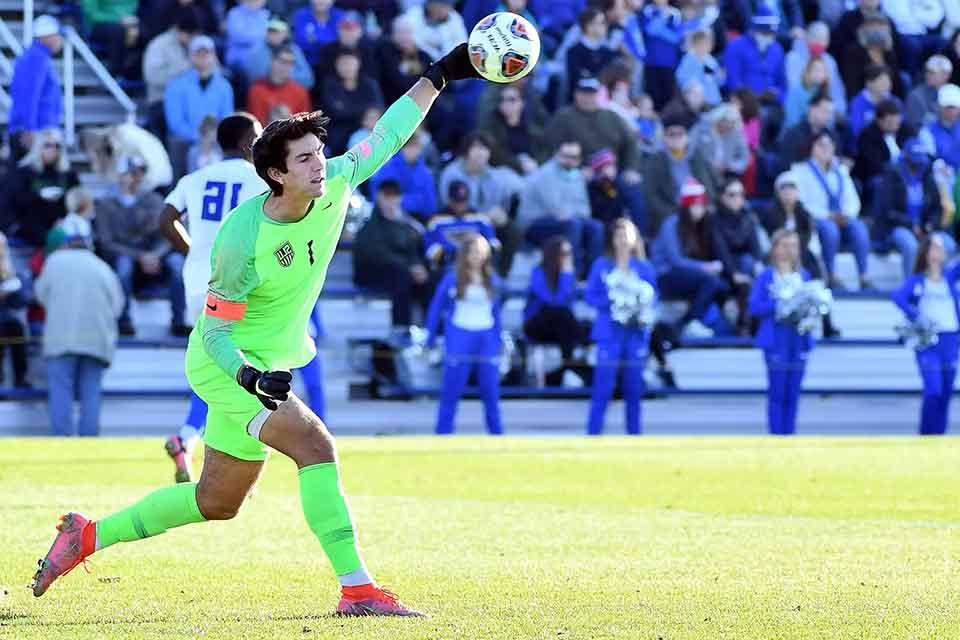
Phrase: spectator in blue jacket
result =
(468, 302)
(863, 107)
(699, 64)
(756, 60)
(785, 349)
(662, 35)
(548, 316)
(315, 26)
(930, 294)
(409, 168)
(35, 93)
(623, 288)
(943, 135)
(687, 260)
(246, 28)
(191, 96)
(588, 57)
(447, 230)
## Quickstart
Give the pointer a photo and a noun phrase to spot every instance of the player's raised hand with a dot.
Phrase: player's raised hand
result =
(453, 66)
(270, 387)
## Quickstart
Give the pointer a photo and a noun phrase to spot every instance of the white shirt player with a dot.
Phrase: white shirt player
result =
(207, 196)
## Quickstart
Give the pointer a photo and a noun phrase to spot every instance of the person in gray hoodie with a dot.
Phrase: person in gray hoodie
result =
(83, 299)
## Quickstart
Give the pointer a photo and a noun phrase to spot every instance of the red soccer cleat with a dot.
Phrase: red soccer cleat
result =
(370, 600)
(178, 452)
(76, 541)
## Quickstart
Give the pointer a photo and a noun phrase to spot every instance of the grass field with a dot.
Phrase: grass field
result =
(517, 538)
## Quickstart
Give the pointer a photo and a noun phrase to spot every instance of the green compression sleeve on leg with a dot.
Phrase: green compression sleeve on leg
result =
(163, 509)
(327, 513)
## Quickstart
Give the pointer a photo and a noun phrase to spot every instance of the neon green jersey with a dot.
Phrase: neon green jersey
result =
(267, 275)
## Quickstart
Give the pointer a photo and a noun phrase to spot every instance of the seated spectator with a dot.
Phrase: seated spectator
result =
(815, 45)
(409, 169)
(879, 144)
(346, 96)
(190, 97)
(387, 257)
(720, 139)
(80, 214)
(795, 141)
(873, 45)
(663, 35)
(258, 61)
(448, 228)
(863, 106)
(555, 202)
(35, 191)
(610, 196)
(699, 64)
(399, 61)
(943, 135)
(114, 26)
(517, 133)
(739, 14)
(128, 228)
(157, 16)
(82, 298)
(738, 245)
(917, 25)
(205, 151)
(594, 129)
(687, 260)
(846, 28)
(278, 88)
(756, 59)
(437, 27)
(367, 123)
(588, 57)
(668, 170)
(315, 26)
(828, 193)
(548, 316)
(615, 92)
(246, 27)
(787, 212)
(649, 128)
(12, 332)
(922, 104)
(908, 205)
(494, 191)
(166, 57)
(349, 38)
(814, 80)
(690, 103)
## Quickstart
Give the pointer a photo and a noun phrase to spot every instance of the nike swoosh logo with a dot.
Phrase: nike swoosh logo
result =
(329, 204)
(212, 307)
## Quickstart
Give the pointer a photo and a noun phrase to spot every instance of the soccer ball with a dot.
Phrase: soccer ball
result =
(504, 47)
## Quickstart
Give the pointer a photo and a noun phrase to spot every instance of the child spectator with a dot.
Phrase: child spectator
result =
(370, 117)
(943, 135)
(662, 34)
(814, 79)
(467, 301)
(588, 57)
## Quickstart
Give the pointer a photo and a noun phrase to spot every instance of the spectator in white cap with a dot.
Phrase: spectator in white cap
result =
(943, 134)
(35, 93)
(194, 94)
(922, 100)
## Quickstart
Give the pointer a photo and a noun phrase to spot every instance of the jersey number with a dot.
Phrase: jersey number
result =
(213, 195)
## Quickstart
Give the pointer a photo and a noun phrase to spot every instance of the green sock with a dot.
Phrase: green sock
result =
(166, 508)
(327, 513)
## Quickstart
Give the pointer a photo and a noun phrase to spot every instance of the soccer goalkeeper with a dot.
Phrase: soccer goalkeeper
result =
(268, 263)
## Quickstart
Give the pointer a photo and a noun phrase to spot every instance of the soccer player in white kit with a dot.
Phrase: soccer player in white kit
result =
(205, 197)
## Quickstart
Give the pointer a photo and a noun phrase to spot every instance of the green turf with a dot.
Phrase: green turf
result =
(741, 538)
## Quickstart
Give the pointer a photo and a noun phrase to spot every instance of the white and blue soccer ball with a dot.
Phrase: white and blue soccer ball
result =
(504, 47)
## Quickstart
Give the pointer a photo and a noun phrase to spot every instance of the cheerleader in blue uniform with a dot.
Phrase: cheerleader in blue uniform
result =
(929, 297)
(785, 346)
(622, 287)
(468, 302)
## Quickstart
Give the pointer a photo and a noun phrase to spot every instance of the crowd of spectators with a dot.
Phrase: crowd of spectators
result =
(709, 124)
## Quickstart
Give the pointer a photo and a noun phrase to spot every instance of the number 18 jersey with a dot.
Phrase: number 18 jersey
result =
(207, 196)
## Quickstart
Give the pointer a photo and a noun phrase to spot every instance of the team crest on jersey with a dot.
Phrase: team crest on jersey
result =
(284, 254)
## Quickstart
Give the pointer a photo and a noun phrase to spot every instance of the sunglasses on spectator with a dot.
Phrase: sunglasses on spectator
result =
(570, 157)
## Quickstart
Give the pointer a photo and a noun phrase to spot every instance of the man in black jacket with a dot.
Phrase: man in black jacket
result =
(879, 142)
(907, 205)
(387, 255)
(795, 142)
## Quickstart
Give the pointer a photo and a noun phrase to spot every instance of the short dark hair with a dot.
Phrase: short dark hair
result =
(476, 137)
(187, 20)
(823, 133)
(270, 149)
(283, 49)
(874, 71)
(888, 107)
(236, 132)
(389, 186)
(588, 15)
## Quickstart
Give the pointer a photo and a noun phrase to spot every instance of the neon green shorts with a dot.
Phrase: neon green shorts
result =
(233, 413)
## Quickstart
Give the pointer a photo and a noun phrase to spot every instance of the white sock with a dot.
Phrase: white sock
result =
(356, 578)
(189, 435)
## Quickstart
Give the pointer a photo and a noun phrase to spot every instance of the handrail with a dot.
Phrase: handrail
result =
(69, 96)
(9, 39)
(5, 100)
(27, 22)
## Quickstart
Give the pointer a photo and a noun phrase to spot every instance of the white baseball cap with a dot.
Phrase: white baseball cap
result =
(44, 26)
(949, 96)
(201, 42)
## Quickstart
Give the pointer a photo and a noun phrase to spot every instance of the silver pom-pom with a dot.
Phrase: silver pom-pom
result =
(632, 299)
(918, 335)
(801, 304)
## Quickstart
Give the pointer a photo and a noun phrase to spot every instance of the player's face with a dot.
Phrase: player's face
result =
(306, 167)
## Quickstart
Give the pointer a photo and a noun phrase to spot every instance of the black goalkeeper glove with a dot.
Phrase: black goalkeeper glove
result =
(270, 387)
(453, 66)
